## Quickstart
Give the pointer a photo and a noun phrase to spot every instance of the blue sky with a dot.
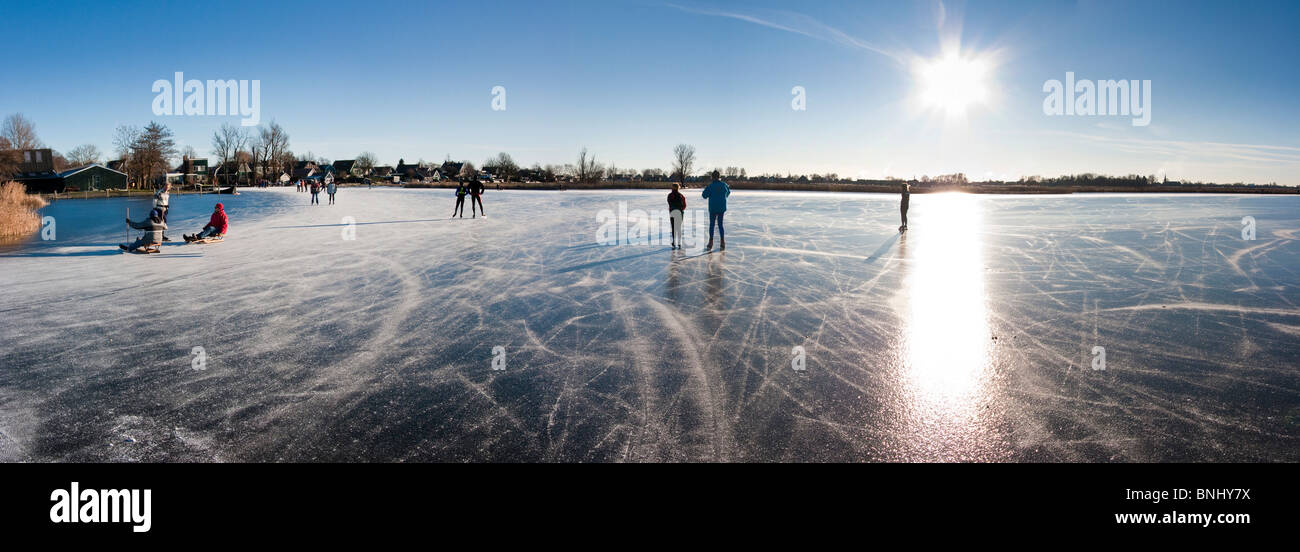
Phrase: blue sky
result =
(631, 79)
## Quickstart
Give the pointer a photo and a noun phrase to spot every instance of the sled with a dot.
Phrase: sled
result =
(145, 250)
(214, 239)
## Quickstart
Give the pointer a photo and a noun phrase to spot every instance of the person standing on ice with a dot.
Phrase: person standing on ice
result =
(217, 225)
(461, 190)
(476, 196)
(153, 227)
(315, 192)
(676, 210)
(716, 192)
(162, 202)
(903, 204)
(331, 189)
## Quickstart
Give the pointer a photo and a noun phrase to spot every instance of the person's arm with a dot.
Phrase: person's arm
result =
(705, 193)
(726, 190)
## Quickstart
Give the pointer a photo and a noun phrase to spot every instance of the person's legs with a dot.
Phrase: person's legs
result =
(144, 242)
(713, 220)
(479, 199)
(676, 217)
(903, 210)
(472, 212)
(722, 234)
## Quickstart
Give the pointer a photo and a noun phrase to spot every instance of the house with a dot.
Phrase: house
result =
(324, 174)
(89, 177)
(403, 168)
(451, 169)
(191, 172)
(231, 172)
(345, 168)
(93, 177)
(36, 164)
(308, 173)
(383, 171)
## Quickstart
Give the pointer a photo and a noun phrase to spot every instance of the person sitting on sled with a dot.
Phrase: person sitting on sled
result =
(217, 225)
(153, 227)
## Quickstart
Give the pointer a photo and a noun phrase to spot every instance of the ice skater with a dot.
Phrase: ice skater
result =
(902, 205)
(716, 192)
(315, 192)
(461, 190)
(217, 225)
(476, 196)
(332, 189)
(162, 202)
(153, 235)
(676, 210)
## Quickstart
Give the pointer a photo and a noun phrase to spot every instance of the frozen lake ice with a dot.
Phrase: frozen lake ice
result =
(972, 337)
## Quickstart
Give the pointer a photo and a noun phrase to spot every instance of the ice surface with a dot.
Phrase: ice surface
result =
(970, 337)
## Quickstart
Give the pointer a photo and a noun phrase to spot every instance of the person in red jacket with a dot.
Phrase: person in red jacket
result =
(217, 225)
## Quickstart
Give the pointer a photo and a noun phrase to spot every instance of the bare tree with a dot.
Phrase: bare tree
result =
(124, 140)
(8, 159)
(276, 142)
(226, 142)
(20, 132)
(587, 169)
(507, 166)
(683, 162)
(85, 154)
(365, 163)
(259, 151)
(59, 161)
(467, 171)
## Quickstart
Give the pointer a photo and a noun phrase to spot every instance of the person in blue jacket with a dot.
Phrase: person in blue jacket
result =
(716, 192)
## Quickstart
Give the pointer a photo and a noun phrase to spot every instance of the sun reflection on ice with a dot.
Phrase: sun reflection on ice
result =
(946, 351)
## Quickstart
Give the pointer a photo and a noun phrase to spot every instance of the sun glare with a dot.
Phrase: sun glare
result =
(952, 83)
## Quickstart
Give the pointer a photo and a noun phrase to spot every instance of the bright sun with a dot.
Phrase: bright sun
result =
(952, 83)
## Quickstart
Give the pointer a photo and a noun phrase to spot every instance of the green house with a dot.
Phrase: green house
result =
(89, 177)
(92, 177)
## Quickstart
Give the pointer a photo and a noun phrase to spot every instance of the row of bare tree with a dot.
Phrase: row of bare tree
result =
(148, 152)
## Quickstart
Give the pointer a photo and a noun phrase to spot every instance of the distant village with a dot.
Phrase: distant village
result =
(147, 157)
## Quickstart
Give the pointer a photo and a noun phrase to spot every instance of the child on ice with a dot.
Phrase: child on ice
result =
(217, 225)
(676, 210)
(153, 236)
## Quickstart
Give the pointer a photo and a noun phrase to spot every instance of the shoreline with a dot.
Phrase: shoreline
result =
(892, 188)
(917, 188)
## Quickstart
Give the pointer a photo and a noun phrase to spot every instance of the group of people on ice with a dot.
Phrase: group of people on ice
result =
(315, 187)
(155, 225)
(717, 193)
(474, 189)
